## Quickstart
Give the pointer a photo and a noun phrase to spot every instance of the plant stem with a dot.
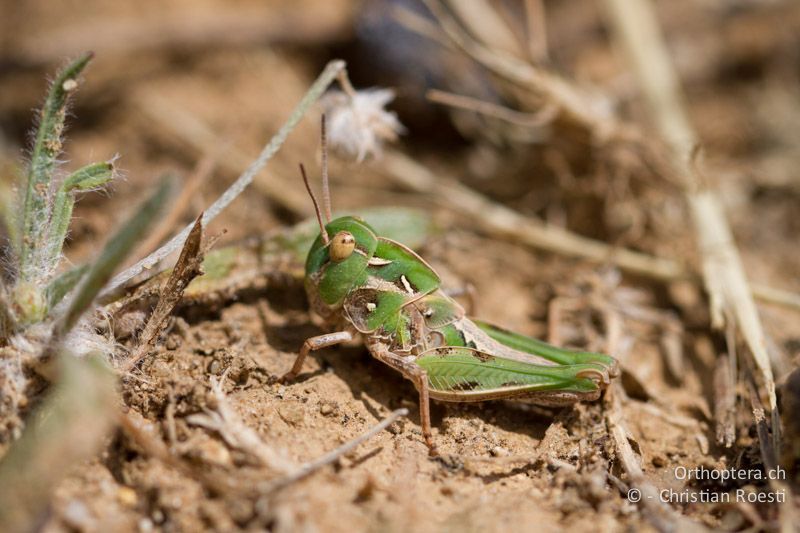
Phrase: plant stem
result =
(312, 95)
(637, 28)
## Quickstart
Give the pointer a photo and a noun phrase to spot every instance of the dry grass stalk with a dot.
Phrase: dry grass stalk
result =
(536, 26)
(573, 104)
(636, 26)
(503, 221)
(526, 120)
(145, 435)
(487, 25)
(725, 400)
(319, 86)
(199, 176)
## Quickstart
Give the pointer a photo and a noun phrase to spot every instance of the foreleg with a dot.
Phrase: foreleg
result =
(314, 343)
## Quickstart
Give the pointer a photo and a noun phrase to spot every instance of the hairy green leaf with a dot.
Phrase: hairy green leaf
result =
(44, 159)
(60, 286)
(84, 179)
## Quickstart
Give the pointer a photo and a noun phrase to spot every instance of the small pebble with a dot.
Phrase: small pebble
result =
(77, 515)
(497, 451)
(326, 409)
(127, 496)
(732, 520)
(158, 516)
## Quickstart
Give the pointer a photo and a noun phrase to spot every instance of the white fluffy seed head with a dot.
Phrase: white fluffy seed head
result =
(359, 125)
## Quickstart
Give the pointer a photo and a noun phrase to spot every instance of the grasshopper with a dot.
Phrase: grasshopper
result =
(361, 283)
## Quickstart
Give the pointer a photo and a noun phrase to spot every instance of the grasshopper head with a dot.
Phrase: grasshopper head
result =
(337, 261)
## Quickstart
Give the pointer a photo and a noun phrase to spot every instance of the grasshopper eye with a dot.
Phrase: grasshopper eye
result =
(342, 246)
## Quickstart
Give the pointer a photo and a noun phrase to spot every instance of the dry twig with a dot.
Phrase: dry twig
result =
(225, 421)
(485, 23)
(659, 514)
(725, 400)
(527, 120)
(188, 267)
(309, 468)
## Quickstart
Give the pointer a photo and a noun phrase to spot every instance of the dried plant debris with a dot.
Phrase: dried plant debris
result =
(527, 158)
(187, 268)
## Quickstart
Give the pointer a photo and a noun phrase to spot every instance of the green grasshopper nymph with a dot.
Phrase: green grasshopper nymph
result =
(361, 283)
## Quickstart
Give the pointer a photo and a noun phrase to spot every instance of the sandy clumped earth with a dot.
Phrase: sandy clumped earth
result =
(503, 467)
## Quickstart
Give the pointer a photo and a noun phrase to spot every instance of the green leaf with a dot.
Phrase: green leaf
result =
(87, 178)
(44, 159)
(115, 251)
(59, 287)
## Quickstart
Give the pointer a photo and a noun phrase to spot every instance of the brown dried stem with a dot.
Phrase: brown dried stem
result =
(490, 109)
(188, 267)
(536, 25)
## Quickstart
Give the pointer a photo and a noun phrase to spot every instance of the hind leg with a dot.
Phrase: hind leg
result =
(420, 379)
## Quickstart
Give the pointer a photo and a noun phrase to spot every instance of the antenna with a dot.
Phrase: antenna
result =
(326, 191)
(322, 231)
